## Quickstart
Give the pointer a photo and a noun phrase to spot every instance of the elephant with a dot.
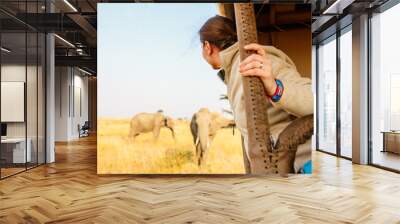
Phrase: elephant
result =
(150, 122)
(204, 126)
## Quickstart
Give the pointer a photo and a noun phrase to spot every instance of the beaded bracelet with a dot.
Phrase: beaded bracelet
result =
(278, 92)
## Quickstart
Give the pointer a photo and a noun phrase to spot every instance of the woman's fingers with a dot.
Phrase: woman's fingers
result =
(253, 72)
(259, 55)
(255, 60)
(256, 64)
(255, 47)
(253, 57)
(251, 65)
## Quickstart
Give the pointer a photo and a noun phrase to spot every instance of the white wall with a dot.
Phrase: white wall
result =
(71, 94)
(62, 80)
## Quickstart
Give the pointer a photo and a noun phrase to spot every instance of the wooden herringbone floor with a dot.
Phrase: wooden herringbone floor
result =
(69, 191)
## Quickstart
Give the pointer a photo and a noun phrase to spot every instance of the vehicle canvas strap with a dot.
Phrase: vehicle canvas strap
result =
(259, 142)
(265, 156)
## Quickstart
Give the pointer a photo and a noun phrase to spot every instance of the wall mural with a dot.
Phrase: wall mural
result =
(174, 94)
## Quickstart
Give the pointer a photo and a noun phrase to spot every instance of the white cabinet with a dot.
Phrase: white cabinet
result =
(391, 142)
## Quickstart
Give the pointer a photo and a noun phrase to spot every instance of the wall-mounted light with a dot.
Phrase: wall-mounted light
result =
(5, 50)
(84, 71)
(65, 41)
(70, 5)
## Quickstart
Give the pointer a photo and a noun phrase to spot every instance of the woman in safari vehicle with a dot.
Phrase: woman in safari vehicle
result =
(289, 94)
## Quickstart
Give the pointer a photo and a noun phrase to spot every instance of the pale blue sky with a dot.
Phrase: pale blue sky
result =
(149, 58)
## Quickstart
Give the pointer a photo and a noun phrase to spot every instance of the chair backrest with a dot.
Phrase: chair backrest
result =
(86, 125)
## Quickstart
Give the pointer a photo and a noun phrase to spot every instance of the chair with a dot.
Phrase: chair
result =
(84, 130)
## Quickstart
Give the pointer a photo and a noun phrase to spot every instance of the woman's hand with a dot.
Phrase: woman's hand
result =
(257, 64)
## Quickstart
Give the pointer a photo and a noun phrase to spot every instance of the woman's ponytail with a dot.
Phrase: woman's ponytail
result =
(219, 31)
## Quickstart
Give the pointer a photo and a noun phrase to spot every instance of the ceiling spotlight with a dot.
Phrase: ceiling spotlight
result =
(70, 5)
(65, 41)
(5, 50)
(79, 51)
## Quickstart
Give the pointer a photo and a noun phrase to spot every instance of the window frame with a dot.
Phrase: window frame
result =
(27, 29)
(379, 10)
(334, 37)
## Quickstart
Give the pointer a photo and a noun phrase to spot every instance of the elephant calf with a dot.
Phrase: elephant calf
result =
(150, 122)
(204, 127)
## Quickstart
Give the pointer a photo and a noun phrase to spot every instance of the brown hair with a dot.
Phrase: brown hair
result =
(219, 31)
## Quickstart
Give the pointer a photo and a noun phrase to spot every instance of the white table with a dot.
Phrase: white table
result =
(18, 149)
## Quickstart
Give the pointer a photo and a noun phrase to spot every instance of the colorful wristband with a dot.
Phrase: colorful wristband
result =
(278, 92)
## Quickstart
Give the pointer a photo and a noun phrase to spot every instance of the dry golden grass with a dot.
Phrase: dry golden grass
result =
(118, 155)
